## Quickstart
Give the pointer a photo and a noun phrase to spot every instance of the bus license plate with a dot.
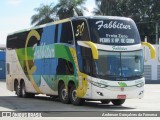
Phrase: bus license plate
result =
(121, 96)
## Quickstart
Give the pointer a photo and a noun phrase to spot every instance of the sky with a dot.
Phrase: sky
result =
(16, 15)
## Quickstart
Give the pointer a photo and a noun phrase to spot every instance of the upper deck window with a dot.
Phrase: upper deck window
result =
(65, 33)
(114, 32)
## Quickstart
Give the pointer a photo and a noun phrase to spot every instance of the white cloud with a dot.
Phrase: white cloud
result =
(14, 2)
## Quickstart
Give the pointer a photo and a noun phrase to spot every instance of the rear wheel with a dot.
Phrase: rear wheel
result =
(73, 96)
(118, 101)
(24, 93)
(105, 101)
(63, 94)
(18, 90)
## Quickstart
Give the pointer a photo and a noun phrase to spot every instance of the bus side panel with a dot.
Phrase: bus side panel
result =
(15, 72)
(9, 75)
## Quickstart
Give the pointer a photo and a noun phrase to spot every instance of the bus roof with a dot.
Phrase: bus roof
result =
(70, 19)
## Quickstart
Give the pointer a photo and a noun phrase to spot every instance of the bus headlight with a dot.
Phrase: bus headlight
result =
(140, 84)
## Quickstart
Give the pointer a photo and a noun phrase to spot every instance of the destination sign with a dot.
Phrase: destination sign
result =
(114, 32)
(116, 40)
(119, 38)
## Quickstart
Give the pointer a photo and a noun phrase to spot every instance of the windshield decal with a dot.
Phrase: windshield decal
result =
(119, 48)
(112, 25)
(117, 40)
(80, 29)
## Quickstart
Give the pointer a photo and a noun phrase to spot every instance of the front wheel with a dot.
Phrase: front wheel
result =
(118, 101)
(73, 97)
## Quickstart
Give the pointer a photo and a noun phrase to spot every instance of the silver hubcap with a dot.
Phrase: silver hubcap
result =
(74, 95)
(23, 91)
(64, 94)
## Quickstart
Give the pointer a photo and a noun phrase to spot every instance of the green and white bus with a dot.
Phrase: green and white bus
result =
(77, 59)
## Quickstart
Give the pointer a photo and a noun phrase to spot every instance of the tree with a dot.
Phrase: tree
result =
(70, 8)
(104, 7)
(45, 14)
(146, 13)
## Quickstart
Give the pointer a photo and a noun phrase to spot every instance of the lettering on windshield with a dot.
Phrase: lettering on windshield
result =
(112, 25)
(119, 48)
(116, 40)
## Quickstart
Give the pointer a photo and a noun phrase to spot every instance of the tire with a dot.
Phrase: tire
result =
(105, 101)
(18, 90)
(24, 93)
(118, 101)
(73, 98)
(63, 95)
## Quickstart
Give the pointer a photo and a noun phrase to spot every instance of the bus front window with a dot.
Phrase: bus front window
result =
(118, 64)
(114, 31)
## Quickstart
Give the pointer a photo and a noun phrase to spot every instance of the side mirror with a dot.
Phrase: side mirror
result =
(90, 45)
(93, 48)
(152, 49)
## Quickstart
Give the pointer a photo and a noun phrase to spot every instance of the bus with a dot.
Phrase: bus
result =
(76, 59)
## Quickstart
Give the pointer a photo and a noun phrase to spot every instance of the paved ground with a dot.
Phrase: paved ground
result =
(10, 102)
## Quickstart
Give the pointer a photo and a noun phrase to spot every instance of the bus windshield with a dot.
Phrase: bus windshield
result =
(114, 31)
(118, 64)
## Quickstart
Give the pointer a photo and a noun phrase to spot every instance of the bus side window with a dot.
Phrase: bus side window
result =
(84, 59)
(65, 34)
(80, 30)
(64, 67)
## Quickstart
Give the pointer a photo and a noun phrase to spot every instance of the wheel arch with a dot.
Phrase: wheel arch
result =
(21, 81)
(70, 84)
(60, 82)
(15, 83)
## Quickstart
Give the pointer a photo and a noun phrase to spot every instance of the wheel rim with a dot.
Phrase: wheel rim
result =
(17, 90)
(74, 95)
(23, 90)
(64, 94)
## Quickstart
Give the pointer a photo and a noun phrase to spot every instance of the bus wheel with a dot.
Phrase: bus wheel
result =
(105, 101)
(118, 101)
(73, 96)
(24, 93)
(63, 95)
(18, 90)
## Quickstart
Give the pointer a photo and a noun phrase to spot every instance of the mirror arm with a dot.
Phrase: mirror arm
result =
(93, 49)
(152, 49)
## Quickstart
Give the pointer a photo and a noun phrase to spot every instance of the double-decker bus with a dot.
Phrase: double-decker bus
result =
(78, 59)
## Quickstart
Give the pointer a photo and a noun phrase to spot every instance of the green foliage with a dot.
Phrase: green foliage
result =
(144, 12)
(45, 14)
(63, 9)
(104, 7)
(70, 8)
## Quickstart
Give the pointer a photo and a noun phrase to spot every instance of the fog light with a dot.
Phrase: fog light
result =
(100, 93)
(141, 93)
